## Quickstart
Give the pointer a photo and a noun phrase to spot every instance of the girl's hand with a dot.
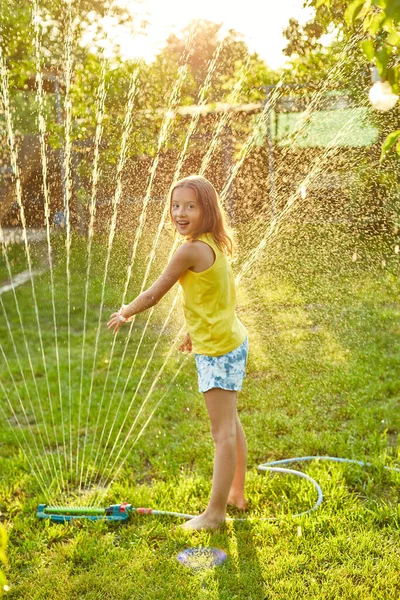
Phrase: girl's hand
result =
(114, 322)
(186, 345)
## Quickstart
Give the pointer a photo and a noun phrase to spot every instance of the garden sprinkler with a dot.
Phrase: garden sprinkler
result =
(114, 512)
(61, 514)
(121, 512)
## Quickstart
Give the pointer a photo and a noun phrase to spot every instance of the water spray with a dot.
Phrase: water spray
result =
(121, 512)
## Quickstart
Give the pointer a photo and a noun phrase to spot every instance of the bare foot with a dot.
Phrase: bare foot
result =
(238, 501)
(203, 521)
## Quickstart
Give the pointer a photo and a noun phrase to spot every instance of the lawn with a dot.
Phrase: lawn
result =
(322, 308)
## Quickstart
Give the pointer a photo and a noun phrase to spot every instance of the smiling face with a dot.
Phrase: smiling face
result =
(186, 211)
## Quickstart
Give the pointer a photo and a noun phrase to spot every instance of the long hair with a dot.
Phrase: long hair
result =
(214, 218)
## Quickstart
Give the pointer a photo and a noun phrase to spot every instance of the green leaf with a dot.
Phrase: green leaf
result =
(382, 58)
(390, 141)
(393, 38)
(398, 148)
(368, 20)
(322, 2)
(353, 10)
(376, 23)
(392, 9)
(393, 77)
(368, 49)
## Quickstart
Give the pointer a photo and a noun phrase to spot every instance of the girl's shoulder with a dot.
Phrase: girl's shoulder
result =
(202, 254)
(205, 243)
(193, 249)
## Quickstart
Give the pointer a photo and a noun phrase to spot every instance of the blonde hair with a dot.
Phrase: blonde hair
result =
(214, 217)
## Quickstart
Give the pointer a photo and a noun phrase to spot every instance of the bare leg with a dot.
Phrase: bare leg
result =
(221, 406)
(236, 494)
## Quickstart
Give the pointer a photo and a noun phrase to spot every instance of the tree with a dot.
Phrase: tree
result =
(315, 61)
(378, 24)
(17, 32)
(204, 37)
(345, 62)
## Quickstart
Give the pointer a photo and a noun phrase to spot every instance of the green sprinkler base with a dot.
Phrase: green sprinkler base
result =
(62, 514)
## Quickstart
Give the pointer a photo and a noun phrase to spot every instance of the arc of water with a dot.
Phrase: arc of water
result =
(116, 200)
(250, 142)
(35, 471)
(115, 458)
(334, 74)
(191, 130)
(232, 99)
(138, 385)
(252, 138)
(22, 408)
(14, 163)
(100, 106)
(163, 137)
(295, 196)
(69, 38)
(41, 454)
(42, 133)
(316, 170)
(100, 103)
(245, 150)
(5, 256)
(121, 464)
(35, 444)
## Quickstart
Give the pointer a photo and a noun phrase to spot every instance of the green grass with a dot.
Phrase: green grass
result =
(322, 380)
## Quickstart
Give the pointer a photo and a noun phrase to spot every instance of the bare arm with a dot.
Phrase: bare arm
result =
(183, 259)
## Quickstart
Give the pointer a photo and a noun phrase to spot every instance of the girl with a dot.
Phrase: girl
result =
(216, 335)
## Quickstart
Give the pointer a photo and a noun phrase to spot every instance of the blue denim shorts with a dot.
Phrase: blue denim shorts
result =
(226, 371)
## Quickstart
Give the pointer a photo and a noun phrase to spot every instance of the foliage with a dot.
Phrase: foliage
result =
(206, 38)
(195, 46)
(380, 21)
(17, 36)
(17, 45)
(317, 49)
(379, 25)
(310, 60)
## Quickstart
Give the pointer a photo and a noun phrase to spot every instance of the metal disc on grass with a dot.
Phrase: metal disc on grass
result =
(202, 557)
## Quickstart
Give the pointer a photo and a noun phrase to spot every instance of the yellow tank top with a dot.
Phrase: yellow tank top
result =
(209, 303)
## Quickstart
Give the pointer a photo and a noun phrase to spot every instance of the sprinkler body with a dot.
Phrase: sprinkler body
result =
(62, 514)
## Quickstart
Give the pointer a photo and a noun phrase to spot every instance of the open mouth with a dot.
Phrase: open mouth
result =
(183, 223)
